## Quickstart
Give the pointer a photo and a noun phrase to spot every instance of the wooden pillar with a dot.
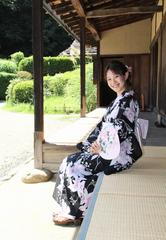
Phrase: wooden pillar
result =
(82, 66)
(37, 38)
(98, 73)
(159, 117)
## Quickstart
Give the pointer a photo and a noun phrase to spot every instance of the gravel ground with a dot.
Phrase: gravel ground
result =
(16, 138)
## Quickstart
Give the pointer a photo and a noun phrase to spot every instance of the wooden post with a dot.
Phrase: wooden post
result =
(82, 66)
(37, 38)
(158, 101)
(98, 74)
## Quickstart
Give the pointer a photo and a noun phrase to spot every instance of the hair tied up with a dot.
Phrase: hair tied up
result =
(129, 68)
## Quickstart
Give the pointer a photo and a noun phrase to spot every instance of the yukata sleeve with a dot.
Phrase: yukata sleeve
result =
(125, 125)
(124, 122)
(84, 146)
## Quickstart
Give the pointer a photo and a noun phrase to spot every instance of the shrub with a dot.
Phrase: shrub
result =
(5, 79)
(17, 57)
(55, 85)
(26, 64)
(76, 60)
(72, 89)
(10, 93)
(23, 92)
(51, 65)
(7, 66)
(24, 75)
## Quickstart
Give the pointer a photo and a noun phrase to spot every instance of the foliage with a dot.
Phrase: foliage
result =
(17, 57)
(16, 30)
(23, 92)
(4, 82)
(55, 85)
(72, 90)
(56, 39)
(58, 104)
(88, 59)
(51, 65)
(26, 64)
(9, 92)
(61, 92)
(7, 66)
(24, 75)
(19, 107)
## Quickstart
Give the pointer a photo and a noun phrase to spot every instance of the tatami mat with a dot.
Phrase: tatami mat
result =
(150, 163)
(128, 218)
(154, 151)
(131, 205)
(135, 184)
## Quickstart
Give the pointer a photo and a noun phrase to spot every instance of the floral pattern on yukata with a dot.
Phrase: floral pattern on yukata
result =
(79, 172)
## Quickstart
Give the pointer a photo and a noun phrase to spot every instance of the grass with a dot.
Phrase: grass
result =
(21, 107)
(60, 105)
(52, 105)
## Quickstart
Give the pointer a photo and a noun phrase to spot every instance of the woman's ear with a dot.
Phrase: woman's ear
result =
(126, 75)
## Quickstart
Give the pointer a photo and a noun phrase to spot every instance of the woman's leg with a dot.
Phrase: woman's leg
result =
(75, 184)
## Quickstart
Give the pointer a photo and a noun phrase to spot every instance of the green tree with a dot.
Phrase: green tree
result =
(16, 30)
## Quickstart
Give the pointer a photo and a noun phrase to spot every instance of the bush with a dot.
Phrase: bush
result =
(51, 65)
(72, 90)
(5, 79)
(55, 85)
(24, 75)
(17, 57)
(23, 92)
(88, 59)
(10, 92)
(26, 64)
(7, 66)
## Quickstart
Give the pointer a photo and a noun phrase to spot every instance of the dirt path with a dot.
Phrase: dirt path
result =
(16, 138)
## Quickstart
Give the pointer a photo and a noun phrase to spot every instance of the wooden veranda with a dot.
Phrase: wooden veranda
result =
(132, 31)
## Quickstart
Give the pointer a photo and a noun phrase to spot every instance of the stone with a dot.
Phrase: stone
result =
(37, 176)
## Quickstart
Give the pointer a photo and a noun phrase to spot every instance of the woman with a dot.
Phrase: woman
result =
(78, 172)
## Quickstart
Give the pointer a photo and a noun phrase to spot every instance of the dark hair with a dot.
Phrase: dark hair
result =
(119, 68)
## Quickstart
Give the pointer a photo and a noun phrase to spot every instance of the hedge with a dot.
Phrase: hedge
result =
(17, 57)
(7, 66)
(5, 79)
(9, 92)
(24, 75)
(23, 92)
(55, 85)
(51, 65)
(72, 89)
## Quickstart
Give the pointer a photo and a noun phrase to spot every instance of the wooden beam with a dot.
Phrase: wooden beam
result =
(80, 11)
(112, 12)
(58, 19)
(78, 7)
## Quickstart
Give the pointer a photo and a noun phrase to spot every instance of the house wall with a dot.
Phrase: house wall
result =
(133, 38)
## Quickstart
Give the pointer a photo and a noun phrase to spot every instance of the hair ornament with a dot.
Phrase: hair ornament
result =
(129, 68)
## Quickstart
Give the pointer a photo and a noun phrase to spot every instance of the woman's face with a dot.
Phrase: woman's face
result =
(116, 82)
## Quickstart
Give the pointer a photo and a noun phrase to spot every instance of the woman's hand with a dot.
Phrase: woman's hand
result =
(95, 148)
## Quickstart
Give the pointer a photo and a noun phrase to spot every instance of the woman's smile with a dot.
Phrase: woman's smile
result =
(116, 82)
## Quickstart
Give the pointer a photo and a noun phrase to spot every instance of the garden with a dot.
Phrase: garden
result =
(61, 84)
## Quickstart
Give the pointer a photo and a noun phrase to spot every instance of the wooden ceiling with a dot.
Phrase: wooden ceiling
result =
(100, 15)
